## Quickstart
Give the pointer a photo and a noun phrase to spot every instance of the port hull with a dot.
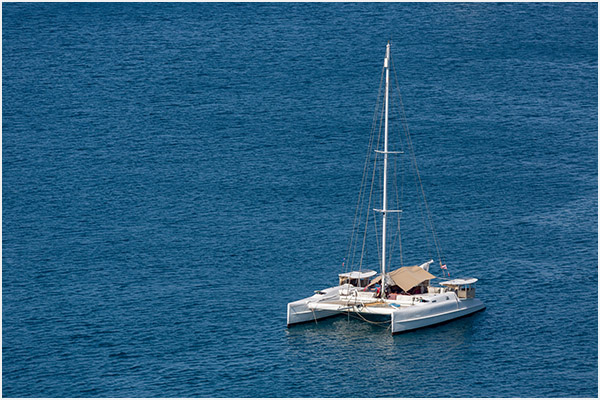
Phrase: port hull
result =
(299, 312)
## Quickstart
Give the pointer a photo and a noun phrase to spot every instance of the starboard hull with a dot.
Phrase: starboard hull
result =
(401, 322)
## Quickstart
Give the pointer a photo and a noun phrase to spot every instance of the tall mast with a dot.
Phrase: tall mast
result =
(386, 65)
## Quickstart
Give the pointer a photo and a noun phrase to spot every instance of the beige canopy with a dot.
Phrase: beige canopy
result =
(407, 277)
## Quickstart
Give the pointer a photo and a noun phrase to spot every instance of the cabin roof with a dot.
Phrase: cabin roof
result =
(458, 282)
(358, 274)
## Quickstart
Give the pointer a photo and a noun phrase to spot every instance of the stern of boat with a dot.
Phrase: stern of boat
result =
(299, 312)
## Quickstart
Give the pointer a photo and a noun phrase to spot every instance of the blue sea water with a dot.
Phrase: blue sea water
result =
(174, 174)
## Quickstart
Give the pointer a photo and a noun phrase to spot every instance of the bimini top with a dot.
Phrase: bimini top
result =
(407, 277)
(358, 274)
(458, 282)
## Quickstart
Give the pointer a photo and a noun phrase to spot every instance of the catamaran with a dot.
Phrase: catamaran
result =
(404, 298)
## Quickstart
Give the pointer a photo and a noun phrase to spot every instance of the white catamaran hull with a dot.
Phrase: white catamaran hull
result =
(405, 314)
(299, 311)
(413, 318)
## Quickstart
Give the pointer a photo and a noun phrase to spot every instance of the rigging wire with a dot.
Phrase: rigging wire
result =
(370, 197)
(357, 217)
(360, 316)
(358, 225)
(398, 235)
(413, 157)
(413, 163)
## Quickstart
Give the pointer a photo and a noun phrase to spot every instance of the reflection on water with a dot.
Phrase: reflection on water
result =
(379, 354)
(345, 333)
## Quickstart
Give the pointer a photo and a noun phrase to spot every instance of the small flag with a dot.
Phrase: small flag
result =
(443, 266)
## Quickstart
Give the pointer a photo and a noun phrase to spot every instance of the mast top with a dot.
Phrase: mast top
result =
(387, 55)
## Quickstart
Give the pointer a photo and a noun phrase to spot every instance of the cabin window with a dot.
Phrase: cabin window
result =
(471, 291)
(466, 292)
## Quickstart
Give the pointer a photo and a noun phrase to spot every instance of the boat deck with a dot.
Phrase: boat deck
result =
(356, 303)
